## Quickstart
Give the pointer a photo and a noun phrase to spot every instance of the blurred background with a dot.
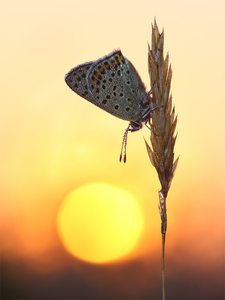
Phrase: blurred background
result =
(74, 222)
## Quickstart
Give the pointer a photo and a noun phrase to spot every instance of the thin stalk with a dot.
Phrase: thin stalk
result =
(163, 215)
(163, 267)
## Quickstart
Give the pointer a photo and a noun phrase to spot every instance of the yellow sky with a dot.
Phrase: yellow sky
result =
(53, 141)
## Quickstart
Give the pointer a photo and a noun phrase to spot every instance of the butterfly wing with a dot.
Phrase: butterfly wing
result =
(116, 87)
(76, 79)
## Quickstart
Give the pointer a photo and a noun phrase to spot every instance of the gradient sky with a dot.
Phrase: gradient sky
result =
(53, 141)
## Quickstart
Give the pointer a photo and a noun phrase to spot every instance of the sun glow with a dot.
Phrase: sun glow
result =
(99, 223)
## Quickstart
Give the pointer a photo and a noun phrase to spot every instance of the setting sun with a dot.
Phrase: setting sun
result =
(99, 222)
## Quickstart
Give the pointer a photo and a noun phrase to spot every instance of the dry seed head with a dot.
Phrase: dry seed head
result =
(163, 120)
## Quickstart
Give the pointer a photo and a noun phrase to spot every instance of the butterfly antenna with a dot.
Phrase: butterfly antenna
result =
(123, 154)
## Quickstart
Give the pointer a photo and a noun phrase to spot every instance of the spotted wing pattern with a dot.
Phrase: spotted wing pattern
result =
(117, 88)
(113, 84)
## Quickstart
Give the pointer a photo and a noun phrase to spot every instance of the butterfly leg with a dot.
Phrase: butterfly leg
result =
(147, 115)
(147, 124)
(133, 126)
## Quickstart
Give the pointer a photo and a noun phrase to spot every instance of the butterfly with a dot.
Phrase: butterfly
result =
(113, 84)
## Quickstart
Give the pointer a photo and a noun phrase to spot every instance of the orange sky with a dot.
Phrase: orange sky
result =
(53, 141)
